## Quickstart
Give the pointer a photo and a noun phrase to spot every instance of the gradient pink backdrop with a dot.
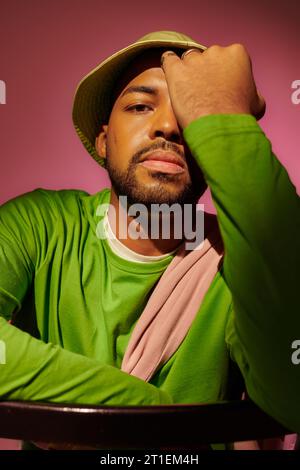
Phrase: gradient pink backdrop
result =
(47, 46)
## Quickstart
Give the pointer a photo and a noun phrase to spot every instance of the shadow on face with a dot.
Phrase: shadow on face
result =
(146, 60)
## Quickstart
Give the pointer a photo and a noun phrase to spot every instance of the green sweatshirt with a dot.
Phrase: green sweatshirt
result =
(79, 301)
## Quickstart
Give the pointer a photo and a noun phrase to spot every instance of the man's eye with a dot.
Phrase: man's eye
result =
(139, 108)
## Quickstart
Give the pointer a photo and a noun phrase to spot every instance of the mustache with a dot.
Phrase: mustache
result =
(161, 145)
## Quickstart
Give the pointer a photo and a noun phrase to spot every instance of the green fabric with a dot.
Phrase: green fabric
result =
(258, 211)
(66, 287)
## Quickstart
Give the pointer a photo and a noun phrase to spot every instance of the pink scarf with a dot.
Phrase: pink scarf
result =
(173, 305)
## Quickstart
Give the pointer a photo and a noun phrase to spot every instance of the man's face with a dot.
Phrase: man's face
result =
(146, 157)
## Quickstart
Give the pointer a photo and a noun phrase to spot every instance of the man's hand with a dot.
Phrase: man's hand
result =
(216, 81)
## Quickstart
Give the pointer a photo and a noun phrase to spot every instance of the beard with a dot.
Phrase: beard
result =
(125, 183)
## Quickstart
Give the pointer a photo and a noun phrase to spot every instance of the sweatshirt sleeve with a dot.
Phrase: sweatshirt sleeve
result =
(29, 368)
(258, 212)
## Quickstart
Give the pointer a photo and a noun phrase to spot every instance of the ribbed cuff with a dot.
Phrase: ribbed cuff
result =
(213, 125)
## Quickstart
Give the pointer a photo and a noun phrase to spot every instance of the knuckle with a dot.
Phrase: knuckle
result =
(166, 55)
(238, 47)
(215, 47)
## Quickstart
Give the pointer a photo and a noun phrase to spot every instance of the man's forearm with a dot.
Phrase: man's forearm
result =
(36, 371)
(258, 213)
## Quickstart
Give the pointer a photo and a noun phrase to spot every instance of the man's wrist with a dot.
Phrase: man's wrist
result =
(204, 130)
(215, 111)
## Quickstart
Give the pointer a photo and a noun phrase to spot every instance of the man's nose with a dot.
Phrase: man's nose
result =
(165, 125)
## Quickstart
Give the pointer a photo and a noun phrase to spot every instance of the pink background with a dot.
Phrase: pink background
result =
(47, 46)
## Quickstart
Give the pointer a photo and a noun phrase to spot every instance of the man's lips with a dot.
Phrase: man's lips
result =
(165, 162)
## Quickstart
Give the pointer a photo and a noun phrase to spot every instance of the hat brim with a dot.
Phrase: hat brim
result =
(92, 101)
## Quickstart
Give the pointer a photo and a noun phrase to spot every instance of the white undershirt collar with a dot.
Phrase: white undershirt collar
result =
(123, 251)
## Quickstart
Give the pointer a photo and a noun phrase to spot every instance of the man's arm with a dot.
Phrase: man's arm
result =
(36, 371)
(31, 369)
(214, 97)
(259, 216)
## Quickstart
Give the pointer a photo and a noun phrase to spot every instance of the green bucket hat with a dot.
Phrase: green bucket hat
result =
(92, 101)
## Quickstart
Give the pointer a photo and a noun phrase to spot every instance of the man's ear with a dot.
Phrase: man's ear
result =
(100, 142)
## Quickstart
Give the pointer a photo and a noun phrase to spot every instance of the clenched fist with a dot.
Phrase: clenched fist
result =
(216, 81)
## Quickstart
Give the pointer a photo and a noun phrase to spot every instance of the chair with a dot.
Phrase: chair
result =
(151, 427)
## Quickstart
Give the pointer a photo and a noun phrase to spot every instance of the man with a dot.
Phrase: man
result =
(166, 116)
